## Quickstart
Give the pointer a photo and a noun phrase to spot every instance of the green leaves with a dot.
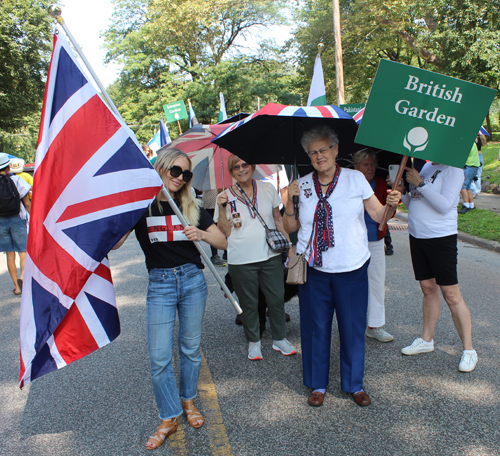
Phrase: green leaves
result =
(25, 37)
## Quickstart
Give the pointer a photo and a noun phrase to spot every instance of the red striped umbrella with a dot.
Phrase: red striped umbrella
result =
(210, 160)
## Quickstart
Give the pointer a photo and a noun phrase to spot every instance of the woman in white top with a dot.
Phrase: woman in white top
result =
(251, 263)
(331, 217)
(432, 221)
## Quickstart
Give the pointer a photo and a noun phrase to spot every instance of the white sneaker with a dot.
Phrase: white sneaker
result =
(284, 347)
(468, 361)
(419, 345)
(379, 334)
(254, 351)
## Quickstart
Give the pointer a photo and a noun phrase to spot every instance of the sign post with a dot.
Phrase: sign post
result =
(418, 113)
(352, 108)
(175, 111)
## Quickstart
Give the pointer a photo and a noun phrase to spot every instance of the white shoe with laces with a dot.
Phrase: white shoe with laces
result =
(468, 361)
(419, 345)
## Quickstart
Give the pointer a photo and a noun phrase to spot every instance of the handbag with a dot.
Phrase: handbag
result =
(297, 268)
(276, 240)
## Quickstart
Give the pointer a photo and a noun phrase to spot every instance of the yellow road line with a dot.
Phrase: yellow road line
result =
(217, 436)
(219, 442)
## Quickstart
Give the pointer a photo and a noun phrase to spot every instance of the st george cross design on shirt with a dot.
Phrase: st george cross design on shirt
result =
(165, 229)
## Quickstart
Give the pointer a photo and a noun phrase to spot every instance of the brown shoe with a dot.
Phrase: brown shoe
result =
(316, 399)
(361, 398)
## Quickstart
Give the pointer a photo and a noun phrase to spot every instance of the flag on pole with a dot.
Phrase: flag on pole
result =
(222, 110)
(317, 92)
(93, 184)
(155, 142)
(192, 116)
(164, 135)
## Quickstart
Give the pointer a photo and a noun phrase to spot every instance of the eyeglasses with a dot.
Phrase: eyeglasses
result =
(323, 151)
(176, 171)
(242, 166)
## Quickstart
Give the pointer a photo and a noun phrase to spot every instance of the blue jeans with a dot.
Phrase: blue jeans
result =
(182, 289)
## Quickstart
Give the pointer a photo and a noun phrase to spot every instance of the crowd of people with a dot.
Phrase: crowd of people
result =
(337, 226)
(336, 222)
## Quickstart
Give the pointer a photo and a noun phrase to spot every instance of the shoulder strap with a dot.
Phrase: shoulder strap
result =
(251, 205)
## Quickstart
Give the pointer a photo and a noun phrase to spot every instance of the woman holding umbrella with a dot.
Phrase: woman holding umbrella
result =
(251, 263)
(332, 230)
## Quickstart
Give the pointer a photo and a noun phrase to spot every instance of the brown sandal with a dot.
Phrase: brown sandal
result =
(192, 414)
(166, 428)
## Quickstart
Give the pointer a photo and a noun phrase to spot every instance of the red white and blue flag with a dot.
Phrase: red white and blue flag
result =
(92, 185)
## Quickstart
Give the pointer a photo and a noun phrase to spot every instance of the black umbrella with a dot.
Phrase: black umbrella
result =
(272, 134)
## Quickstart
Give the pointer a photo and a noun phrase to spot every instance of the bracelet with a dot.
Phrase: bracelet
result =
(289, 215)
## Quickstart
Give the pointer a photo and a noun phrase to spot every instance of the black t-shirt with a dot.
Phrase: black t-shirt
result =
(162, 241)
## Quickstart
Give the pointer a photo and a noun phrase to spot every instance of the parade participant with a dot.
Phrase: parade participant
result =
(251, 263)
(332, 228)
(366, 162)
(176, 285)
(15, 207)
(432, 222)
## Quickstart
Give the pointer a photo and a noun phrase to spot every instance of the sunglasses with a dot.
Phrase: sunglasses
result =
(242, 166)
(176, 171)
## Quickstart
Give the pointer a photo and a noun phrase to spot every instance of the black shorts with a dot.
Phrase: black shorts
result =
(435, 258)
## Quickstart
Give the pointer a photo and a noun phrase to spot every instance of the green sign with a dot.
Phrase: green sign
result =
(423, 114)
(175, 111)
(352, 109)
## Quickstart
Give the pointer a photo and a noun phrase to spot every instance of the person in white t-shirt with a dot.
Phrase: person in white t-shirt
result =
(332, 232)
(251, 263)
(13, 228)
(432, 222)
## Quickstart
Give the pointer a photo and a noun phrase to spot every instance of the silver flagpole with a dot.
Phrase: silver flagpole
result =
(55, 12)
(184, 222)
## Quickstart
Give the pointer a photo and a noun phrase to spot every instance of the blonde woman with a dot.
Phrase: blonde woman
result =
(176, 285)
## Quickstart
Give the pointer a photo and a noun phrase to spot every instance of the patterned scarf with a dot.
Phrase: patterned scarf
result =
(323, 236)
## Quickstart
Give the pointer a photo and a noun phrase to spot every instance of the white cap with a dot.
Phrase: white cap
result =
(4, 160)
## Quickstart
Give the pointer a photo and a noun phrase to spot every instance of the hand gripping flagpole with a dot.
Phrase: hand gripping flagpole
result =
(55, 12)
(184, 222)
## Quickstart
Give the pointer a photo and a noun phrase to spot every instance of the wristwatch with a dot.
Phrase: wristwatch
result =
(421, 184)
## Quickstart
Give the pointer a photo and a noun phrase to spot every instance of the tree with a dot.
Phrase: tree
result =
(25, 42)
(181, 49)
(457, 37)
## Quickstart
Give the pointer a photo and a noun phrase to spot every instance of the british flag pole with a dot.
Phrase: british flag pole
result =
(55, 12)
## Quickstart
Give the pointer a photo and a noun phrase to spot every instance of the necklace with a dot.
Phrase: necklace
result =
(325, 185)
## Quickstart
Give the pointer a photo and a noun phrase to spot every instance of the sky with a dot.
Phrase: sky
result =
(86, 20)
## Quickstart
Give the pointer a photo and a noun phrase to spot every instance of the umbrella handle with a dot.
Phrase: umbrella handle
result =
(295, 199)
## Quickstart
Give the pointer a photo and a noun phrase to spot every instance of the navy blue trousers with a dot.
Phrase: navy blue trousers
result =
(320, 297)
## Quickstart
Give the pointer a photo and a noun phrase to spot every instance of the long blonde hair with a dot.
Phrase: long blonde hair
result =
(189, 206)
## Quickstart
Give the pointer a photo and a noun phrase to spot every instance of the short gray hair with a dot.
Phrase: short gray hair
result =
(364, 154)
(314, 133)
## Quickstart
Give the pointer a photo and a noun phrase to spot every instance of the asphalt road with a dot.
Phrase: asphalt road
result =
(103, 404)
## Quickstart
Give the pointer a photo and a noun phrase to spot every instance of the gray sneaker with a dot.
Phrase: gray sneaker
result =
(284, 347)
(379, 334)
(254, 351)
(419, 345)
(217, 261)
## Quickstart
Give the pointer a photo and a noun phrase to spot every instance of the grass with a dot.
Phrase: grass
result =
(491, 168)
(481, 223)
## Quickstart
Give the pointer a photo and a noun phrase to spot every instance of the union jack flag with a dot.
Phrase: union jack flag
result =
(92, 185)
